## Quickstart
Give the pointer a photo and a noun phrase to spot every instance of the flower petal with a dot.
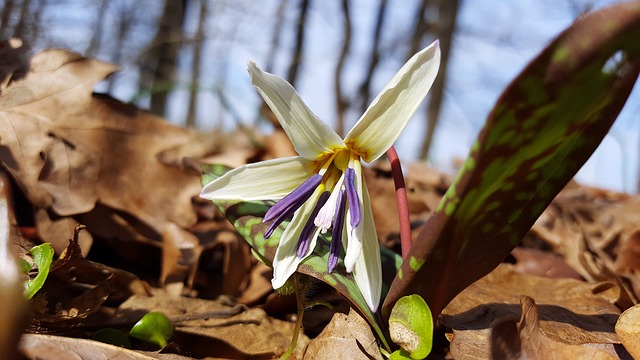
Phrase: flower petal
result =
(311, 137)
(390, 112)
(353, 250)
(368, 267)
(362, 249)
(286, 260)
(266, 180)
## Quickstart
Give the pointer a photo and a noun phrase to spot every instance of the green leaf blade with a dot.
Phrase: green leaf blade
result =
(542, 129)
(42, 258)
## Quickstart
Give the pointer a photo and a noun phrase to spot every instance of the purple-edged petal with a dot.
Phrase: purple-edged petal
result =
(285, 261)
(267, 180)
(311, 137)
(390, 112)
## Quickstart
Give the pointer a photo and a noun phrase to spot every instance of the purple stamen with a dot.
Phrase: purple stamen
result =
(336, 232)
(309, 227)
(291, 202)
(283, 216)
(352, 196)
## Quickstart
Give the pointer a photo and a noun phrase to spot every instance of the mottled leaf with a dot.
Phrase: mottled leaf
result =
(543, 128)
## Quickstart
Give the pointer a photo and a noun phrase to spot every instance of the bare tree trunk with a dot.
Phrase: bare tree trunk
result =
(23, 23)
(125, 21)
(98, 29)
(341, 102)
(159, 62)
(364, 91)
(197, 64)
(37, 20)
(275, 37)
(448, 13)
(421, 27)
(6, 18)
(292, 75)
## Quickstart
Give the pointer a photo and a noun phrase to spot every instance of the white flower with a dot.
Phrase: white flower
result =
(323, 188)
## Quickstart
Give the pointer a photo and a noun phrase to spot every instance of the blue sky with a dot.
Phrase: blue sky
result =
(496, 39)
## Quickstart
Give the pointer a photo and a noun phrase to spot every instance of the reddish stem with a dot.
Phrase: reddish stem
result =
(401, 200)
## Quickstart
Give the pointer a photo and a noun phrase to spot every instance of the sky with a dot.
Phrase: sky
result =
(494, 42)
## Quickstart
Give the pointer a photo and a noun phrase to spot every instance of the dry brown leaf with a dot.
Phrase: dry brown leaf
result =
(77, 288)
(526, 340)
(56, 230)
(425, 187)
(542, 263)
(593, 230)
(259, 285)
(345, 337)
(180, 254)
(229, 334)
(628, 329)
(571, 311)
(50, 347)
(69, 149)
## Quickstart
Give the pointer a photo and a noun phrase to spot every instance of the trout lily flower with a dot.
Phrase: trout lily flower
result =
(323, 188)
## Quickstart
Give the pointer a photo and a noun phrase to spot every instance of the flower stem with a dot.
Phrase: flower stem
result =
(401, 200)
(301, 293)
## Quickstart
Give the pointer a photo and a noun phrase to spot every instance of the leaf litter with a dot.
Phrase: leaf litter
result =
(70, 157)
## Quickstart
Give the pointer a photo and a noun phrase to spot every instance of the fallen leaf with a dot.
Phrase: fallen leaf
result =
(594, 230)
(628, 329)
(38, 346)
(345, 337)
(571, 311)
(206, 328)
(527, 340)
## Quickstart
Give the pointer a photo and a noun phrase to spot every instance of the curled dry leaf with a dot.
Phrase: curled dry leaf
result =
(77, 288)
(345, 337)
(595, 231)
(628, 329)
(526, 340)
(571, 311)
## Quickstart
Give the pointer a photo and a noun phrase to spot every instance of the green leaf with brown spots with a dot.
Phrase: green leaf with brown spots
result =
(542, 130)
(247, 217)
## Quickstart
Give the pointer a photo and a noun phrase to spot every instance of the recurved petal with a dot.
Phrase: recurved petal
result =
(368, 267)
(310, 136)
(390, 112)
(266, 180)
(286, 260)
